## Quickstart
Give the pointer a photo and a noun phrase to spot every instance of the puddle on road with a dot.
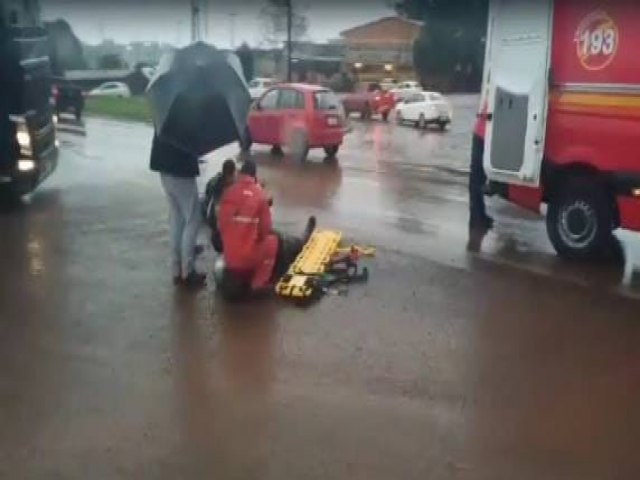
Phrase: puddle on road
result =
(618, 273)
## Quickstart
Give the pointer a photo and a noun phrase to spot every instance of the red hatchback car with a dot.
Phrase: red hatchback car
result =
(299, 116)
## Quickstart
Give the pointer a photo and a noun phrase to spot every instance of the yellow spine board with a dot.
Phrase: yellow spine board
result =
(312, 261)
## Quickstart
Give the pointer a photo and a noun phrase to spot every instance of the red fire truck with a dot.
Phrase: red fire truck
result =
(562, 85)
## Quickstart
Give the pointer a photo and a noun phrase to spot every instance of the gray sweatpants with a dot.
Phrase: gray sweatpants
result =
(184, 221)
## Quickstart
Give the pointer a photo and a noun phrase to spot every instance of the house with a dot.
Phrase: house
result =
(382, 48)
(315, 62)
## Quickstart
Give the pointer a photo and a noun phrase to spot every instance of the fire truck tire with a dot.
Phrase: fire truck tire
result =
(580, 221)
(385, 116)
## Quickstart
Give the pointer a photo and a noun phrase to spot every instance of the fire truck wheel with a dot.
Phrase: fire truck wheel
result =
(580, 221)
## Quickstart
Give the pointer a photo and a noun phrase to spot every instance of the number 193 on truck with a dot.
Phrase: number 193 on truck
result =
(562, 89)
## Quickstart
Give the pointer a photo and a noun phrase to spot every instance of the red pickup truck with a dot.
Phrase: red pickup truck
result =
(373, 101)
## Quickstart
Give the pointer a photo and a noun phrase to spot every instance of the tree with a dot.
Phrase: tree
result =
(274, 21)
(111, 61)
(245, 55)
(65, 49)
(451, 43)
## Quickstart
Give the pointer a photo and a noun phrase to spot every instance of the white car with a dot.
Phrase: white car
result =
(425, 108)
(403, 89)
(258, 86)
(111, 89)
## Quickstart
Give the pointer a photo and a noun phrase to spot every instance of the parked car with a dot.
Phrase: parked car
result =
(258, 86)
(403, 89)
(111, 89)
(300, 116)
(67, 98)
(425, 108)
(373, 101)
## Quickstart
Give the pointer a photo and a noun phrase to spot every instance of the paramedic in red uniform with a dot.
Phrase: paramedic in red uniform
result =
(244, 221)
(478, 218)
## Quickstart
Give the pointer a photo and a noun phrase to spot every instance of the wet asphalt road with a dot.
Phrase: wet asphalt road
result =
(447, 365)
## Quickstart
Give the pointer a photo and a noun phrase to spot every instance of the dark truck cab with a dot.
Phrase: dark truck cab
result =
(28, 147)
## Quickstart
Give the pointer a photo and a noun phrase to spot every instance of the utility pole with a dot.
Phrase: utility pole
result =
(232, 29)
(289, 42)
(195, 20)
(205, 16)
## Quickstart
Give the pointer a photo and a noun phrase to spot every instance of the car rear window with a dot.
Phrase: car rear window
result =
(290, 99)
(325, 100)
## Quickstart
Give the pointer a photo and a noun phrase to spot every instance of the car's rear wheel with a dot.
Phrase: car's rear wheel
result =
(580, 220)
(422, 122)
(276, 150)
(331, 151)
(442, 126)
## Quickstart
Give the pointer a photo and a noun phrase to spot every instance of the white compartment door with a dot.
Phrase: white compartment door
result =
(518, 90)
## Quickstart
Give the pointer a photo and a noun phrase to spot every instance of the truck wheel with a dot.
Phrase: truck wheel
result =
(580, 221)
(385, 116)
(276, 150)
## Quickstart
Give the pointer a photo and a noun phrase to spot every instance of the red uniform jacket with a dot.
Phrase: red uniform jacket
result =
(244, 221)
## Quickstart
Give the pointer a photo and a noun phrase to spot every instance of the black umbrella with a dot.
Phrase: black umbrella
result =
(199, 98)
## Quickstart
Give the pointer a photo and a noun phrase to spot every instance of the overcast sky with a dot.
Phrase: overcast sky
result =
(169, 20)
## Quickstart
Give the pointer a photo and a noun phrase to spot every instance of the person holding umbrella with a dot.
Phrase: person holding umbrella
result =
(199, 102)
(178, 170)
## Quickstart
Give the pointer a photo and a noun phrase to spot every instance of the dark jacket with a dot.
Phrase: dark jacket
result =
(213, 193)
(171, 160)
